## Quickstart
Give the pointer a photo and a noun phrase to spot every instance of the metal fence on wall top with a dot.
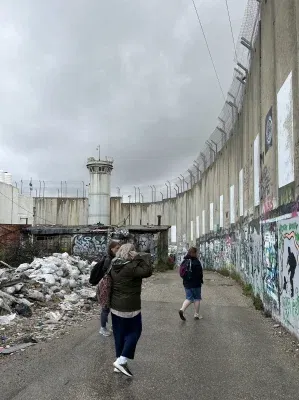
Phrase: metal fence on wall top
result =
(226, 120)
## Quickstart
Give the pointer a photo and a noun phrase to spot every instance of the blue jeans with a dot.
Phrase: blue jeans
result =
(104, 317)
(127, 332)
(193, 294)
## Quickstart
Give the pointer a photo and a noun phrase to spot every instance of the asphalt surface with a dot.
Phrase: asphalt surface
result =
(231, 354)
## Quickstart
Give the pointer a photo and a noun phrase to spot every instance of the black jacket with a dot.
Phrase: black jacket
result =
(126, 283)
(196, 279)
(99, 270)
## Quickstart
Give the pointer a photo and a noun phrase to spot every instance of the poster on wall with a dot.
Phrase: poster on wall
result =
(241, 193)
(191, 231)
(286, 170)
(211, 216)
(232, 204)
(197, 227)
(173, 234)
(256, 171)
(268, 131)
(288, 253)
(221, 211)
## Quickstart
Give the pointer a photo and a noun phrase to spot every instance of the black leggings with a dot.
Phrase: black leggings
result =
(127, 332)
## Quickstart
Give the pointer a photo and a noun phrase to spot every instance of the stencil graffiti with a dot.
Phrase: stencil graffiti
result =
(91, 245)
(289, 275)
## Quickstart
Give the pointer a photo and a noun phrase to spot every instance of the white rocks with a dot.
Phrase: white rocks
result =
(35, 295)
(23, 268)
(87, 293)
(72, 298)
(53, 317)
(73, 283)
(6, 319)
(10, 290)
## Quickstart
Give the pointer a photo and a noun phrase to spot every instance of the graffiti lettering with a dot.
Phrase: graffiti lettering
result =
(91, 245)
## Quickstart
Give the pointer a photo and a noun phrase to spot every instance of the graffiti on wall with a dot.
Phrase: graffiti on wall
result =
(289, 274)
(270, 266)
(89, 244)
(266, 190)
(256, 257)
(268, 131)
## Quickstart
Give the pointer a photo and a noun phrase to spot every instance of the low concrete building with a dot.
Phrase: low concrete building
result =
(91, 242)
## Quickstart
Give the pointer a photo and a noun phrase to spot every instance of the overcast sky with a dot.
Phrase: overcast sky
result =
(131, 75)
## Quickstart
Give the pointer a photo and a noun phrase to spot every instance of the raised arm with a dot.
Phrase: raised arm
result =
(142, 269)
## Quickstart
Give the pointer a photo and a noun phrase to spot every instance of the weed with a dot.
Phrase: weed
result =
(224, 271)
(247, 290)
(258, 304)
(236, 277)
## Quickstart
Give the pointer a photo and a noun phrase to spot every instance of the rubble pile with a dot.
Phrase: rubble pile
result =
(41, 298)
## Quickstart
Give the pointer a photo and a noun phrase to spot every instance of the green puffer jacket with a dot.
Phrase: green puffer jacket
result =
(126, 283)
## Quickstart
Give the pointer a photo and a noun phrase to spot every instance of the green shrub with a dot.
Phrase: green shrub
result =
(247, 289)
(257, 302)
(224, 271)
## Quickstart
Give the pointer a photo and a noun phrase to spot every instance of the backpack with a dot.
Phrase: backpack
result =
(186, 269)
(96, 273)
(104, 289)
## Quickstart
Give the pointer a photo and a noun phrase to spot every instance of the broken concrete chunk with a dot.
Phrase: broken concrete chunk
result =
(87, 293)
(72, 298)
(23, 268)
(35, 295)
(10, 290)
(7, 319)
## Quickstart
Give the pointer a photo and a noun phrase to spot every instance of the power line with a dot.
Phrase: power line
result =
(231, 28)
(208, 47)
(30, 212)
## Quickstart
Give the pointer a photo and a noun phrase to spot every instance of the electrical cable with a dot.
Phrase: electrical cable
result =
(30, 212)
(208, 47)
(231, 28)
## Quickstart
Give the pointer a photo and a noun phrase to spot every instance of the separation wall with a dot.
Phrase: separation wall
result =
(243, 213)
(60, 211)
(14, 208)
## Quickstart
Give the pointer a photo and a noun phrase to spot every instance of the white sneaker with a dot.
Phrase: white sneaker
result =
(197, 316)
(123, 368)
(104, 332)
(116, 370)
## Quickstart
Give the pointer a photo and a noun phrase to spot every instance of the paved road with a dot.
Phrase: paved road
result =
(231, 354)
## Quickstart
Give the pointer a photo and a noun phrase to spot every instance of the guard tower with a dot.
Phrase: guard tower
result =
(99, 190)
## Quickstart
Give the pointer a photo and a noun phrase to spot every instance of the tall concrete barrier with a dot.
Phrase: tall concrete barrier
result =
(243, 214)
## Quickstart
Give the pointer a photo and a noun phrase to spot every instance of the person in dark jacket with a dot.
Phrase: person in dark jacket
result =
(192, 281)
(128, 270)
(97, 274)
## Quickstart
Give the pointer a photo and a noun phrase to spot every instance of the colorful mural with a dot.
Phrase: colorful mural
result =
(289, 274)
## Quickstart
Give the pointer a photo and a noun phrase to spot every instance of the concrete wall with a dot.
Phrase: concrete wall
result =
(60, 211)
(243, 214)
(14, 208)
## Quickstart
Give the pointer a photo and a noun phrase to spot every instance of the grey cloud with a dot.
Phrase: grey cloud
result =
(134, 76)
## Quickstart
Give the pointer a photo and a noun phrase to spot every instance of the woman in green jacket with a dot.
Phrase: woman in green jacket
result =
(128, 270)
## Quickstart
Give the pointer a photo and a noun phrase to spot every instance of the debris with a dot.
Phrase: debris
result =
(24, 310)
(53, 317)
(44, 297)
(13, 349)
(35, 295)
(276, 326)
(6, 265)
(6, 319)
